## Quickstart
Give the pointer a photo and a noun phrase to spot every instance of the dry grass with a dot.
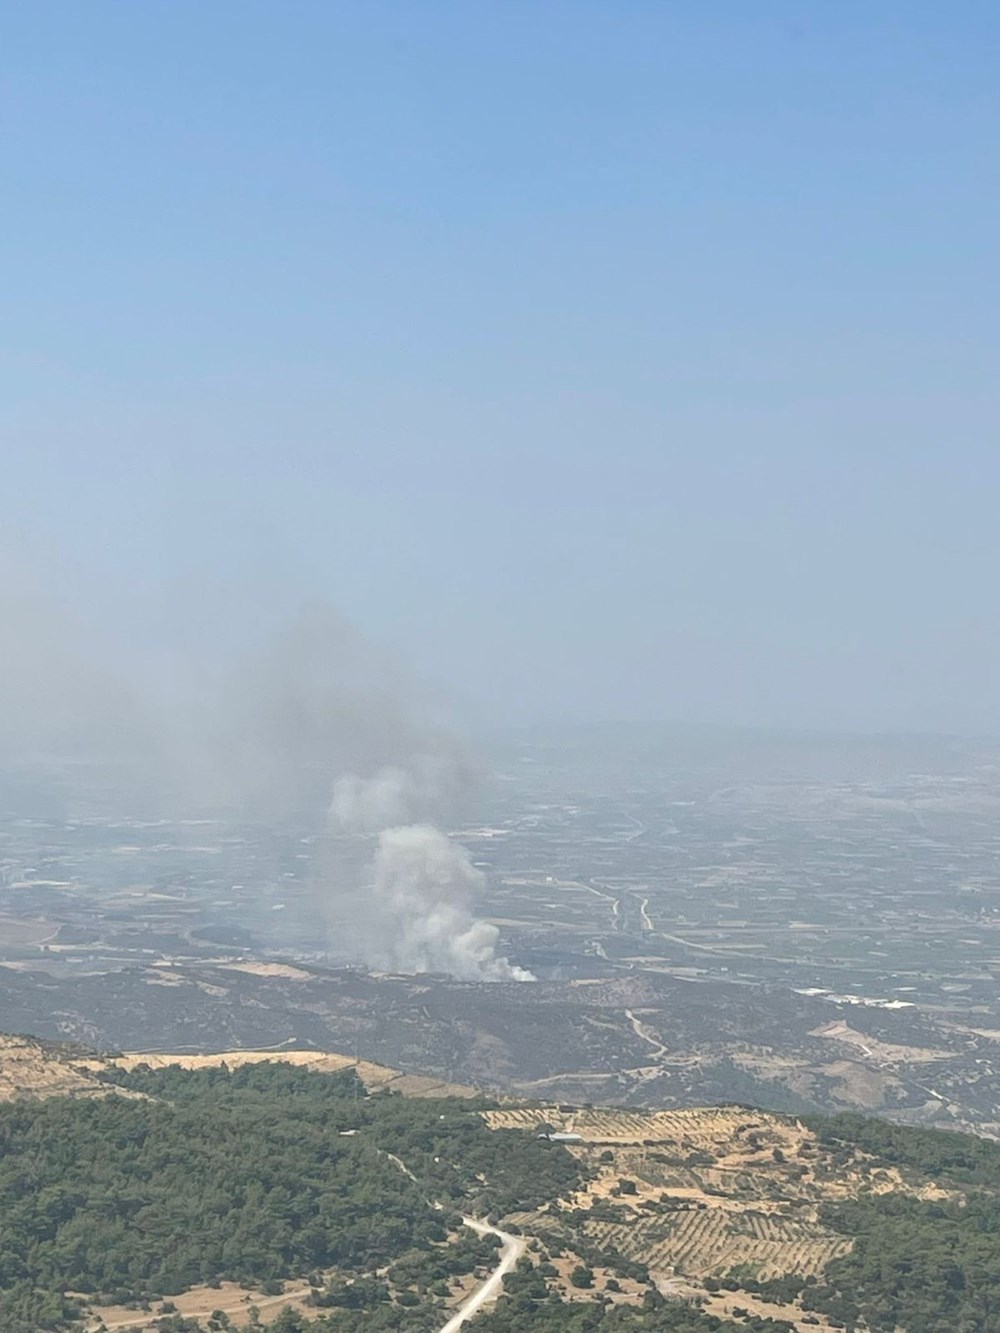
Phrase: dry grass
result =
(880, 1052)
(631, 1292)
(28, 1070)
(722, 1305)
(32, 1069)
(373, 1076)
(200, 1302)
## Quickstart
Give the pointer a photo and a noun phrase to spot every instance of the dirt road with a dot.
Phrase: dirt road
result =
(512, 1247)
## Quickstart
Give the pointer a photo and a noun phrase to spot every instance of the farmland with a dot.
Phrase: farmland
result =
(801, 925)
(723, 1211)
(708, 1189)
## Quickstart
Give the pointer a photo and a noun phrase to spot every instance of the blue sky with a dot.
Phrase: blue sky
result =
(602, 359)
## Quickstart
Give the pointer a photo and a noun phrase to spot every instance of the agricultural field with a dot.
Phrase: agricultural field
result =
(704, 1193)
(807, 926)
(722, 1212)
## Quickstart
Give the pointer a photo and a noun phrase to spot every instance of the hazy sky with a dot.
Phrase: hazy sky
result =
(618, 359)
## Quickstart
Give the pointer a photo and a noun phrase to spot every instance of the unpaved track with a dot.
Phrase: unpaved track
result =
(640, 1031)
(512, 1247)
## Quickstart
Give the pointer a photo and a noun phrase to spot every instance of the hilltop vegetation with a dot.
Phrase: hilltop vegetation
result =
(30, 1067)
(574, 1042)
(254, 1175)
(272, 1173)
(916, 1264)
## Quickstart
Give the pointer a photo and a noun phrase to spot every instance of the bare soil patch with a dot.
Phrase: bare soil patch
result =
(270, 970)
(28, 1069)
(373, 1076)
(200, 1302)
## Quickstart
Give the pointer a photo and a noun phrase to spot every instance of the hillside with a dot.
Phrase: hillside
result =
(637, 1039)
(186, 1192)
(33, 1068)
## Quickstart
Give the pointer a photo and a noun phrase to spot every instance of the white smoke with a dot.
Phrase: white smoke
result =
(424, 886)
(418, 793)
(276, 735)
(365, 805)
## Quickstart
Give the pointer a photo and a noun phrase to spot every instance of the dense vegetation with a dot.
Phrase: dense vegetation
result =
(269, 1172)
(921, 1265)
(522, 1312)
(527, 1307)
(957, 1158)
(254, 1175)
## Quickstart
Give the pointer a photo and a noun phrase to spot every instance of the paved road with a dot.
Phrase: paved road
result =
(511, 1249)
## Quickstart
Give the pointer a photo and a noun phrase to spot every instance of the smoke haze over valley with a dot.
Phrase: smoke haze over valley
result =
(499, 667)
(308, 731)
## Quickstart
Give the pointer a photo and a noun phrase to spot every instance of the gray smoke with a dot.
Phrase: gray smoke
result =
(321, 715)
(424, 885)
(273, 731)
(366, 805)
(314, 701)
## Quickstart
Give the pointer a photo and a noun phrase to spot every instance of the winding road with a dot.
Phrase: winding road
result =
(640, 1031)
(511, 1249)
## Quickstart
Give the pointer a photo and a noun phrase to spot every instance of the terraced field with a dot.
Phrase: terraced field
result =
(698, 1193)
(701, 1127)
(710, 1242)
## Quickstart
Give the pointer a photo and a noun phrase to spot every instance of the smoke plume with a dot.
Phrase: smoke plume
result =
(428, 786)
(265, 728)
(424, 885)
